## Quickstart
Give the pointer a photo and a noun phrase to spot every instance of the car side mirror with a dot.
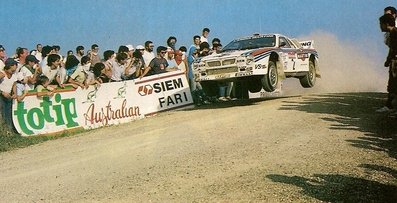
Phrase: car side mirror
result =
(282, 44)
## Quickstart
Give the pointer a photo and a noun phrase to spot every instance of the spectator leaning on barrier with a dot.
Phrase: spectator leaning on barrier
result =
(79, 76)
(134, 70)
(108, 57)
(159, 64)
(42, 86)
(100, 73)
(181, 59)
(20, 87)
(7, 79)
(118, 67)
(30, 71)
(172, 65)
(52, 70)
(387, 24)
(71, 64)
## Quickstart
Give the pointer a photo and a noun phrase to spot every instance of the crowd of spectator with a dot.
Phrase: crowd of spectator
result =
(44, 69)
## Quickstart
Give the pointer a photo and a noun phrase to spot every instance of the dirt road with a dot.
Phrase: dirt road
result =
(329, 147)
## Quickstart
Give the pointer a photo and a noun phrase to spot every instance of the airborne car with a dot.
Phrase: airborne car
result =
(259, 61)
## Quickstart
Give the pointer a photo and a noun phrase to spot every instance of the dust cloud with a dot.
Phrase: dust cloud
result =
(344, 67)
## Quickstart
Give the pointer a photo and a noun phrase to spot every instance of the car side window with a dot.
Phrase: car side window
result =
(284, 43)
(292, 44)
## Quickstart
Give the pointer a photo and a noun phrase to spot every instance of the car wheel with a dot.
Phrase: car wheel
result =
(270, 80)
(254, 84)
(210, 88)
(310, 78)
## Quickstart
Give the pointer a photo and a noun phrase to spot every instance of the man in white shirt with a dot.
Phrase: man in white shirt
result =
(22, 53)
(118, 67)
(148, 54)
(30, 71)
(52, 70)
(37, 53)
(204, 36)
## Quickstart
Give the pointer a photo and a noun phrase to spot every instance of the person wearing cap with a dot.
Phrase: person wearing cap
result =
(7, 80)
(204, 35)
(140, 48)
(130, 50)
(30, 70)
(3, 57)
(134, 70)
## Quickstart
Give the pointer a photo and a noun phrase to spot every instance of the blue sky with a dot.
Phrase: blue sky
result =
(70, 23)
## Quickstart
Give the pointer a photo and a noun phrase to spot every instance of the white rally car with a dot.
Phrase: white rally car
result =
(260, 61)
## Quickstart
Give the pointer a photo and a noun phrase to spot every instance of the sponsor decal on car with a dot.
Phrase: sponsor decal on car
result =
(291, 55)
(303, 56)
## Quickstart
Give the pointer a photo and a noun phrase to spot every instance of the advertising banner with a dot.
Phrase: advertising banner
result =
(107, 104)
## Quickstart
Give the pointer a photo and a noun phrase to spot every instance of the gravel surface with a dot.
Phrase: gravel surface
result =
(329, 147)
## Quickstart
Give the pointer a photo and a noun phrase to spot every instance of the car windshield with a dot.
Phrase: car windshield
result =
(251, 43)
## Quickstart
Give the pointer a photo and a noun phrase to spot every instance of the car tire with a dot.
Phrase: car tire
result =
(210, 88)
(270, 80)
(254, 84)
(309, 79)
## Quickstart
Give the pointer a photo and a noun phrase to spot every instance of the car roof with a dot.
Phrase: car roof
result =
(258, 35)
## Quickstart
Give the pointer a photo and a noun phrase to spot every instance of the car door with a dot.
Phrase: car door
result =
(289, 55)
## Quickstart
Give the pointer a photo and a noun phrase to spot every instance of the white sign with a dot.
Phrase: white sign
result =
(107, 104)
